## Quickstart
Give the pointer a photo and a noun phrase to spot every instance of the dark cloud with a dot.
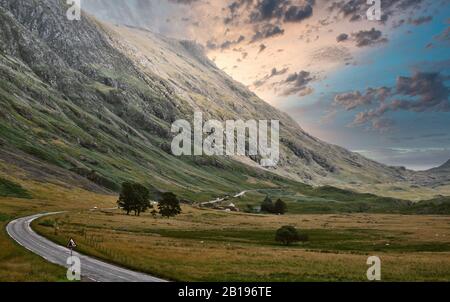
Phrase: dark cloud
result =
(267, 10)
(342, 37)
(262, 47)
(267, 31)
(298, 13)
(406, 4)
(263, 11)
(428, 88)
(234, 10)
(420, 20)
(273, 73)
(297, 83)
(352, 100)
(423, 91)
(225, 44)
(368, 37)
(355, 10)
(282, 10)
(352, 9)
(236, 5)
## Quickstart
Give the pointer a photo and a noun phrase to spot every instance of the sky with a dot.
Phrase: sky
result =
(377, 84)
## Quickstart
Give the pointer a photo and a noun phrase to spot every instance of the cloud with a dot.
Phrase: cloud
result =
(267, 31)
(234, 10)
(225, 44)
(352, 100)
(268, 11)
(420, 20)
(297, 83)
(356, 10)
(331, 54)
(262, 47)
(352, 9)
(422, 92)
(368, 37)
(429, 89)
(298, 13)
(281, 10)
(273, 73)
(382, 124)
(342, 37)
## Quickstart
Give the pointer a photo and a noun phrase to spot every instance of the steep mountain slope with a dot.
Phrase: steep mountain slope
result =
(98, 100)
(208, 89)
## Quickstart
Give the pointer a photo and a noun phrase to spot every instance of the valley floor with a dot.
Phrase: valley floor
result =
(206, 245)
(209, 245)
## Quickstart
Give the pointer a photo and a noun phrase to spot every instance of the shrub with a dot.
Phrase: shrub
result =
(289, 234)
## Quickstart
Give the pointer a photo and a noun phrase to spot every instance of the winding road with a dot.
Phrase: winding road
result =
(92, 269)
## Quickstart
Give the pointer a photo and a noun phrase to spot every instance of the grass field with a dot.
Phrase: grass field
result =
(205, 245)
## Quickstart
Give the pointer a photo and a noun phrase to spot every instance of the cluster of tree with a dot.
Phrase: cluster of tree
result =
(289, 234)
(279, 207)
(135, 198)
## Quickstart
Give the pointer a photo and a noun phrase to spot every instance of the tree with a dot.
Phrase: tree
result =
(280, 207)
(289, 234)
(126, 201)
(134, 197)
(267, 205)
(169, 206)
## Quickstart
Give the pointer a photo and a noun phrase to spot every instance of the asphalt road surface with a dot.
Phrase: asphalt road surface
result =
(91, 269)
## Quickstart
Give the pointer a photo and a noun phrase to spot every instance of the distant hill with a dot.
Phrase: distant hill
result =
(445, 166)
(434, 177)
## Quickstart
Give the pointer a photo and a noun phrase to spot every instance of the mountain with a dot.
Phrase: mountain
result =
(439, 176)
(96, 101)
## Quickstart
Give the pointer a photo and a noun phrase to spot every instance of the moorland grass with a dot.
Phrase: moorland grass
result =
(11, 189)
(205, 245)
